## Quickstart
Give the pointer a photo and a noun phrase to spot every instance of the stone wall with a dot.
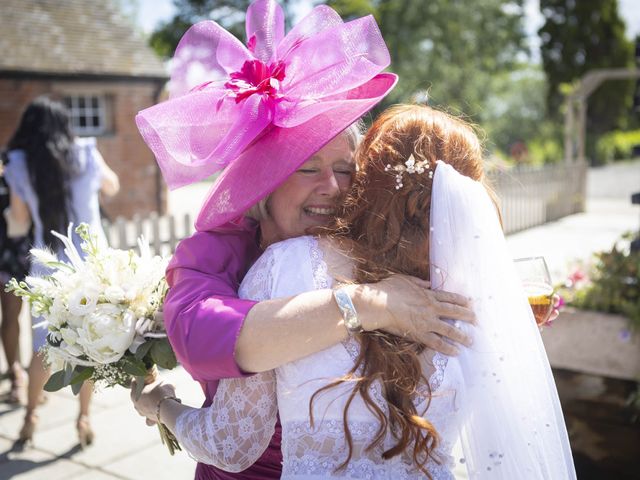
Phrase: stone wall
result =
(604, 430)
(596, 366)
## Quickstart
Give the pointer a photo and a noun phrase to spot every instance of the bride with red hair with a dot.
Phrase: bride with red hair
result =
(379, 405)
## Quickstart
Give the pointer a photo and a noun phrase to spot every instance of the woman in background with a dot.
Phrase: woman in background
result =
(14, 263)
(55, 179)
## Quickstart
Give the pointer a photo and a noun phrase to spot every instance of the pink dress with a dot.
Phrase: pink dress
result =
(204, 315)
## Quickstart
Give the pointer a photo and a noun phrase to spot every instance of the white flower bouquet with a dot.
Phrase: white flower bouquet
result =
(101, 312)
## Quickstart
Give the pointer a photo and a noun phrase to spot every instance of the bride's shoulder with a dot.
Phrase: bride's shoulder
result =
(315, 246)
(291, 245)
(291, 251)
(320, 251)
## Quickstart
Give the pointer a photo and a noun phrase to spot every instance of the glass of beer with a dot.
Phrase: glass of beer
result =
(536, 281)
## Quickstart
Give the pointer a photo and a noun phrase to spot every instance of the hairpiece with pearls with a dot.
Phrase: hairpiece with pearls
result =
(410, 167)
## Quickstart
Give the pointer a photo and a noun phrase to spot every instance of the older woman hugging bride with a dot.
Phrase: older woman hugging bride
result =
(261, 112)
(379, 405)
(349, 336)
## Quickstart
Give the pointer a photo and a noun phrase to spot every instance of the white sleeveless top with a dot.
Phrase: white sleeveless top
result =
(234, 432)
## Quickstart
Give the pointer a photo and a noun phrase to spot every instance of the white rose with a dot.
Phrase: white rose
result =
(83, 302)
(107, 333)
(74, 321)
(114, 294)
(70, 342)
(74, 349)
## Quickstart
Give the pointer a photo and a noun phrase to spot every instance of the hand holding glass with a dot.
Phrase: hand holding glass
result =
(536, 281)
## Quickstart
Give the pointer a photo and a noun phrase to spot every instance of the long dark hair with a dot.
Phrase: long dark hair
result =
(44, 134)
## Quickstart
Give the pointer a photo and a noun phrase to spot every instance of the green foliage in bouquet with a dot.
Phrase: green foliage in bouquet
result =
(152, 352)
(614, 283)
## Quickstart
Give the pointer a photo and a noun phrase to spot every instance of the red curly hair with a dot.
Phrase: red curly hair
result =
(389, 229)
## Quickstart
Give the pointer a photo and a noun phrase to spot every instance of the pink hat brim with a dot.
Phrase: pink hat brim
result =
(278, 152)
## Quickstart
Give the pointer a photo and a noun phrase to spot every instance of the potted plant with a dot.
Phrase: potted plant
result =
(611, 286)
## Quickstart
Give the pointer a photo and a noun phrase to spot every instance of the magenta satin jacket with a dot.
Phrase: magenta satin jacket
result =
(203, 316)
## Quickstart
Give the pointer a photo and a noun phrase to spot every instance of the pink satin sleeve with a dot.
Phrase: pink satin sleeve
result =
(203, 314)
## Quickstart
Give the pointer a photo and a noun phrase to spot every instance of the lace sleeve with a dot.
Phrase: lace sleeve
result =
(236, 429)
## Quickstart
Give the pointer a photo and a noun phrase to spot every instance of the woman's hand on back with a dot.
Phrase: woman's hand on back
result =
(406, 306)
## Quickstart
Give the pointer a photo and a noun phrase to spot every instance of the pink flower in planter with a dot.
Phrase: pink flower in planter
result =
(577, 276)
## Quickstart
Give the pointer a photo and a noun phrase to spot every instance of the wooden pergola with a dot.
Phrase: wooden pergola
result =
(575, 117)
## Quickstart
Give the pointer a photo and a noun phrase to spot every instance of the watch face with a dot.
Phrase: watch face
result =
(348, 311)
(351, 322)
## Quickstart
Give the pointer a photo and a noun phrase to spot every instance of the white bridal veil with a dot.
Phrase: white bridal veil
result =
(512, 425)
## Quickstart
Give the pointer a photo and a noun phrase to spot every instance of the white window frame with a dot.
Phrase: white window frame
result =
(88, 111)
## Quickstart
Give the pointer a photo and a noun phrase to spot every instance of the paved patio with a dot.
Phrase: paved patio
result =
(124, 448)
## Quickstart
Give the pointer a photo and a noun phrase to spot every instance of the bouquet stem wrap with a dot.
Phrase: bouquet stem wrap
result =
(166, 437)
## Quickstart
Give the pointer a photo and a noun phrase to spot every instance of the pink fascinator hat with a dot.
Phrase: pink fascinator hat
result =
(260, 111)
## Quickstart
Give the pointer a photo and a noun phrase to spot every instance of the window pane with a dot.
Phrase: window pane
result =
(88, 114)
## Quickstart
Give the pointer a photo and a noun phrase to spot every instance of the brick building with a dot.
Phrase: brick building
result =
(88, 55)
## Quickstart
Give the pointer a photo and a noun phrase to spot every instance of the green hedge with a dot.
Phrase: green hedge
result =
(617, 145)
(545, 150)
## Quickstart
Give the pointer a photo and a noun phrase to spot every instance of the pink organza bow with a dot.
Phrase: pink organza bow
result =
(224, 95)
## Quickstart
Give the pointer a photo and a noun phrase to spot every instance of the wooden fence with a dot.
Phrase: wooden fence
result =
(528, 197)
(163, 233)
(535, 196)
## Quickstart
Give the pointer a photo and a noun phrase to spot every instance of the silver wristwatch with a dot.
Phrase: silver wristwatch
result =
(349, 314)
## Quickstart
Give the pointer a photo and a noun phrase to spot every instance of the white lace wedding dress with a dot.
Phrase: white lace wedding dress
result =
(497, 397)
(236, 429)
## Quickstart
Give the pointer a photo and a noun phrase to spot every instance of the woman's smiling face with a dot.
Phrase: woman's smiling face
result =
(309, 197)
